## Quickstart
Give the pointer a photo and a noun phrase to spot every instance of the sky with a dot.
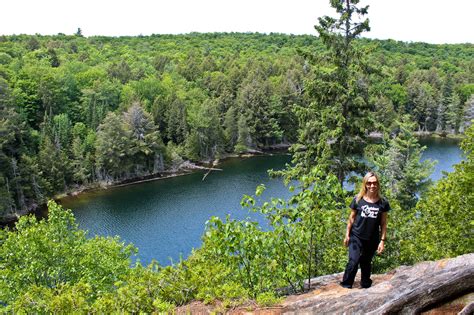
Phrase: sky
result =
(431, 21)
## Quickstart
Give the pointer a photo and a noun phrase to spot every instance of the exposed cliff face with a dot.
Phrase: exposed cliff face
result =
(440, 287)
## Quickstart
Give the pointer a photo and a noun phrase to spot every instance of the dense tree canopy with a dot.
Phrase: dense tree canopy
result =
(63, 98)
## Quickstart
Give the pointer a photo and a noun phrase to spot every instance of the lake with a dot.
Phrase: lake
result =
(166, 218)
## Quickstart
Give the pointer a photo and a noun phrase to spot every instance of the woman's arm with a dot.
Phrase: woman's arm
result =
(351, 220)
(383, 228)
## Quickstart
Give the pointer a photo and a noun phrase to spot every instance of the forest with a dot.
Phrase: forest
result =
(80, 111)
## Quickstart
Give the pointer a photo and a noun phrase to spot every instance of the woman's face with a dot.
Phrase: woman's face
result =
(372, 184)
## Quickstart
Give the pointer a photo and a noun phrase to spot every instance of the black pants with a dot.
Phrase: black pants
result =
(361, 253)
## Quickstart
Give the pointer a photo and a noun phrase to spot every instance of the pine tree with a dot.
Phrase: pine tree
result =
(254, 101)
(146, 144)
(444, 104)
(454, 112)
(333, 127)
(177, 127)
(244, 141)
(399, 165)
(113, 147)
(78, 32)
(62, 131)
(231, 129)
(54, 166)
(80, 175)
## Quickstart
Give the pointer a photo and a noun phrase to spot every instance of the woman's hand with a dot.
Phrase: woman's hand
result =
(346, 240)
(381, 247)
(352, 217)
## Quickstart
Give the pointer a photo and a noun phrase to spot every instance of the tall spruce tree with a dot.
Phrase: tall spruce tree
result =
(334, 125)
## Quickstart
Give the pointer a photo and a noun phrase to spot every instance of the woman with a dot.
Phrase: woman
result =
(366, 230)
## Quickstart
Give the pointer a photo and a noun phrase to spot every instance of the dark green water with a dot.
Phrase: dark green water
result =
(166, 218)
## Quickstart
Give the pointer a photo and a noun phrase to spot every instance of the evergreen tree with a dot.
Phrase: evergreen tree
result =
(78, 32)
(244, 141)
(443, 221)
(97, 101)
(33, 181)
(422, 104)
(146, 145)
(54, 167)
(113, 147)
(254, 100)
(83, 153)
(77, 163)
(447, 92)
(177, 127)
(53, 57)
(333, 127)
(385, 114)
(454, 112)
(399, 165)
(231, 128)
(62, 131)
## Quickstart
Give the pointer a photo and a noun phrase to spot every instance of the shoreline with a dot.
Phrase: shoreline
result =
(425, 134)
(192, 167)
(188, 168)
(185, 168)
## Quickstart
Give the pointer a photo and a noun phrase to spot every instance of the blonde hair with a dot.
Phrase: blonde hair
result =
(363, 187)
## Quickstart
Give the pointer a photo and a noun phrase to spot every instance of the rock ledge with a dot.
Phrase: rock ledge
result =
(433, 288)
(406, 290)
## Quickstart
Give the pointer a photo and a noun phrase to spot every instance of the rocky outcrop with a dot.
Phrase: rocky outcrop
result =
(429, 288)
(406, 290)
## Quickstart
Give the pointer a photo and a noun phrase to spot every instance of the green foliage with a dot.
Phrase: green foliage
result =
(112, 146)
(76, 110)
(213, 94)
(254, 101)
(50, 266)
(128, 145)
(398, 163)
(65, 298)
(53, 163)
(267, 299)
(244, 140)
(440, 224)
(443, 218)
(333, 126)
(301, 240)
(54, 258)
